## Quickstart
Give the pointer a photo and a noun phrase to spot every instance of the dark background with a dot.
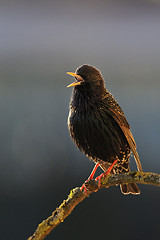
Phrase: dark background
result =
(39, 42)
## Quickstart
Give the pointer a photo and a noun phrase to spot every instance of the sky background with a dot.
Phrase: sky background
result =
(39, 42)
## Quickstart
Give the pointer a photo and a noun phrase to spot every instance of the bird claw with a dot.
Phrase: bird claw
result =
(90, 178)
(84, 187)
(99, 179)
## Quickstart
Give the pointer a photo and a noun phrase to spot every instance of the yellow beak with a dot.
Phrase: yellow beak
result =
(78, 77)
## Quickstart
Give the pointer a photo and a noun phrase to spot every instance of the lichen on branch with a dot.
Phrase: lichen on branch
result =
(76, 196)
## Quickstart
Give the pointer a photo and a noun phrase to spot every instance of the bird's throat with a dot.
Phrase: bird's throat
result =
(83, 101)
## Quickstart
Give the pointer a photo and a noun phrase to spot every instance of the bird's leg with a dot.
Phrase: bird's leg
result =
(93, 172)
(104, 174)
(90, 177)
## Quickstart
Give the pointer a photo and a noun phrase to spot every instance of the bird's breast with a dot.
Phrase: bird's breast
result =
(95, 132)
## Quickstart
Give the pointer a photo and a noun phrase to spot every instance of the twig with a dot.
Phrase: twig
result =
(76, 196)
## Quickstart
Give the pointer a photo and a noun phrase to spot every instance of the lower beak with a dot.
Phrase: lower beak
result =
(78, 77)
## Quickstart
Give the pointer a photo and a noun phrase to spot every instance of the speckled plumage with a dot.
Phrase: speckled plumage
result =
(98, 125)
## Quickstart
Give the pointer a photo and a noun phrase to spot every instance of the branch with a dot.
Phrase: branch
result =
(76, 196)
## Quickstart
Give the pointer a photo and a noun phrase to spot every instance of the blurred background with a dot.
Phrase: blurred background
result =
(39, 42)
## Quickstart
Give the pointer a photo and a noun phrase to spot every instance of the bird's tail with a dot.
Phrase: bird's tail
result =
(128, 188)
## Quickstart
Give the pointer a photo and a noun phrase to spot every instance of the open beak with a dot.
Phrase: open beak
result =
(78, 78)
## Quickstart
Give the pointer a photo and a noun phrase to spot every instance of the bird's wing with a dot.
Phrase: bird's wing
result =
(119, 117)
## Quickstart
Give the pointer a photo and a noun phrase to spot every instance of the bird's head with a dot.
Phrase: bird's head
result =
(88, 78)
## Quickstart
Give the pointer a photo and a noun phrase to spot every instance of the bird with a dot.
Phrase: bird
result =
(98, 126)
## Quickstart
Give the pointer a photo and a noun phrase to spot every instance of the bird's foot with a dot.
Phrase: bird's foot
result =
(90, 178)
(84, 186)
(104, 174)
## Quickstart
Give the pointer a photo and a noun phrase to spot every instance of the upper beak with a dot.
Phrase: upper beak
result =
(78, 77)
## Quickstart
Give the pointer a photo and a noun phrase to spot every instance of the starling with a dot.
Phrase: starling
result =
(98, 126)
